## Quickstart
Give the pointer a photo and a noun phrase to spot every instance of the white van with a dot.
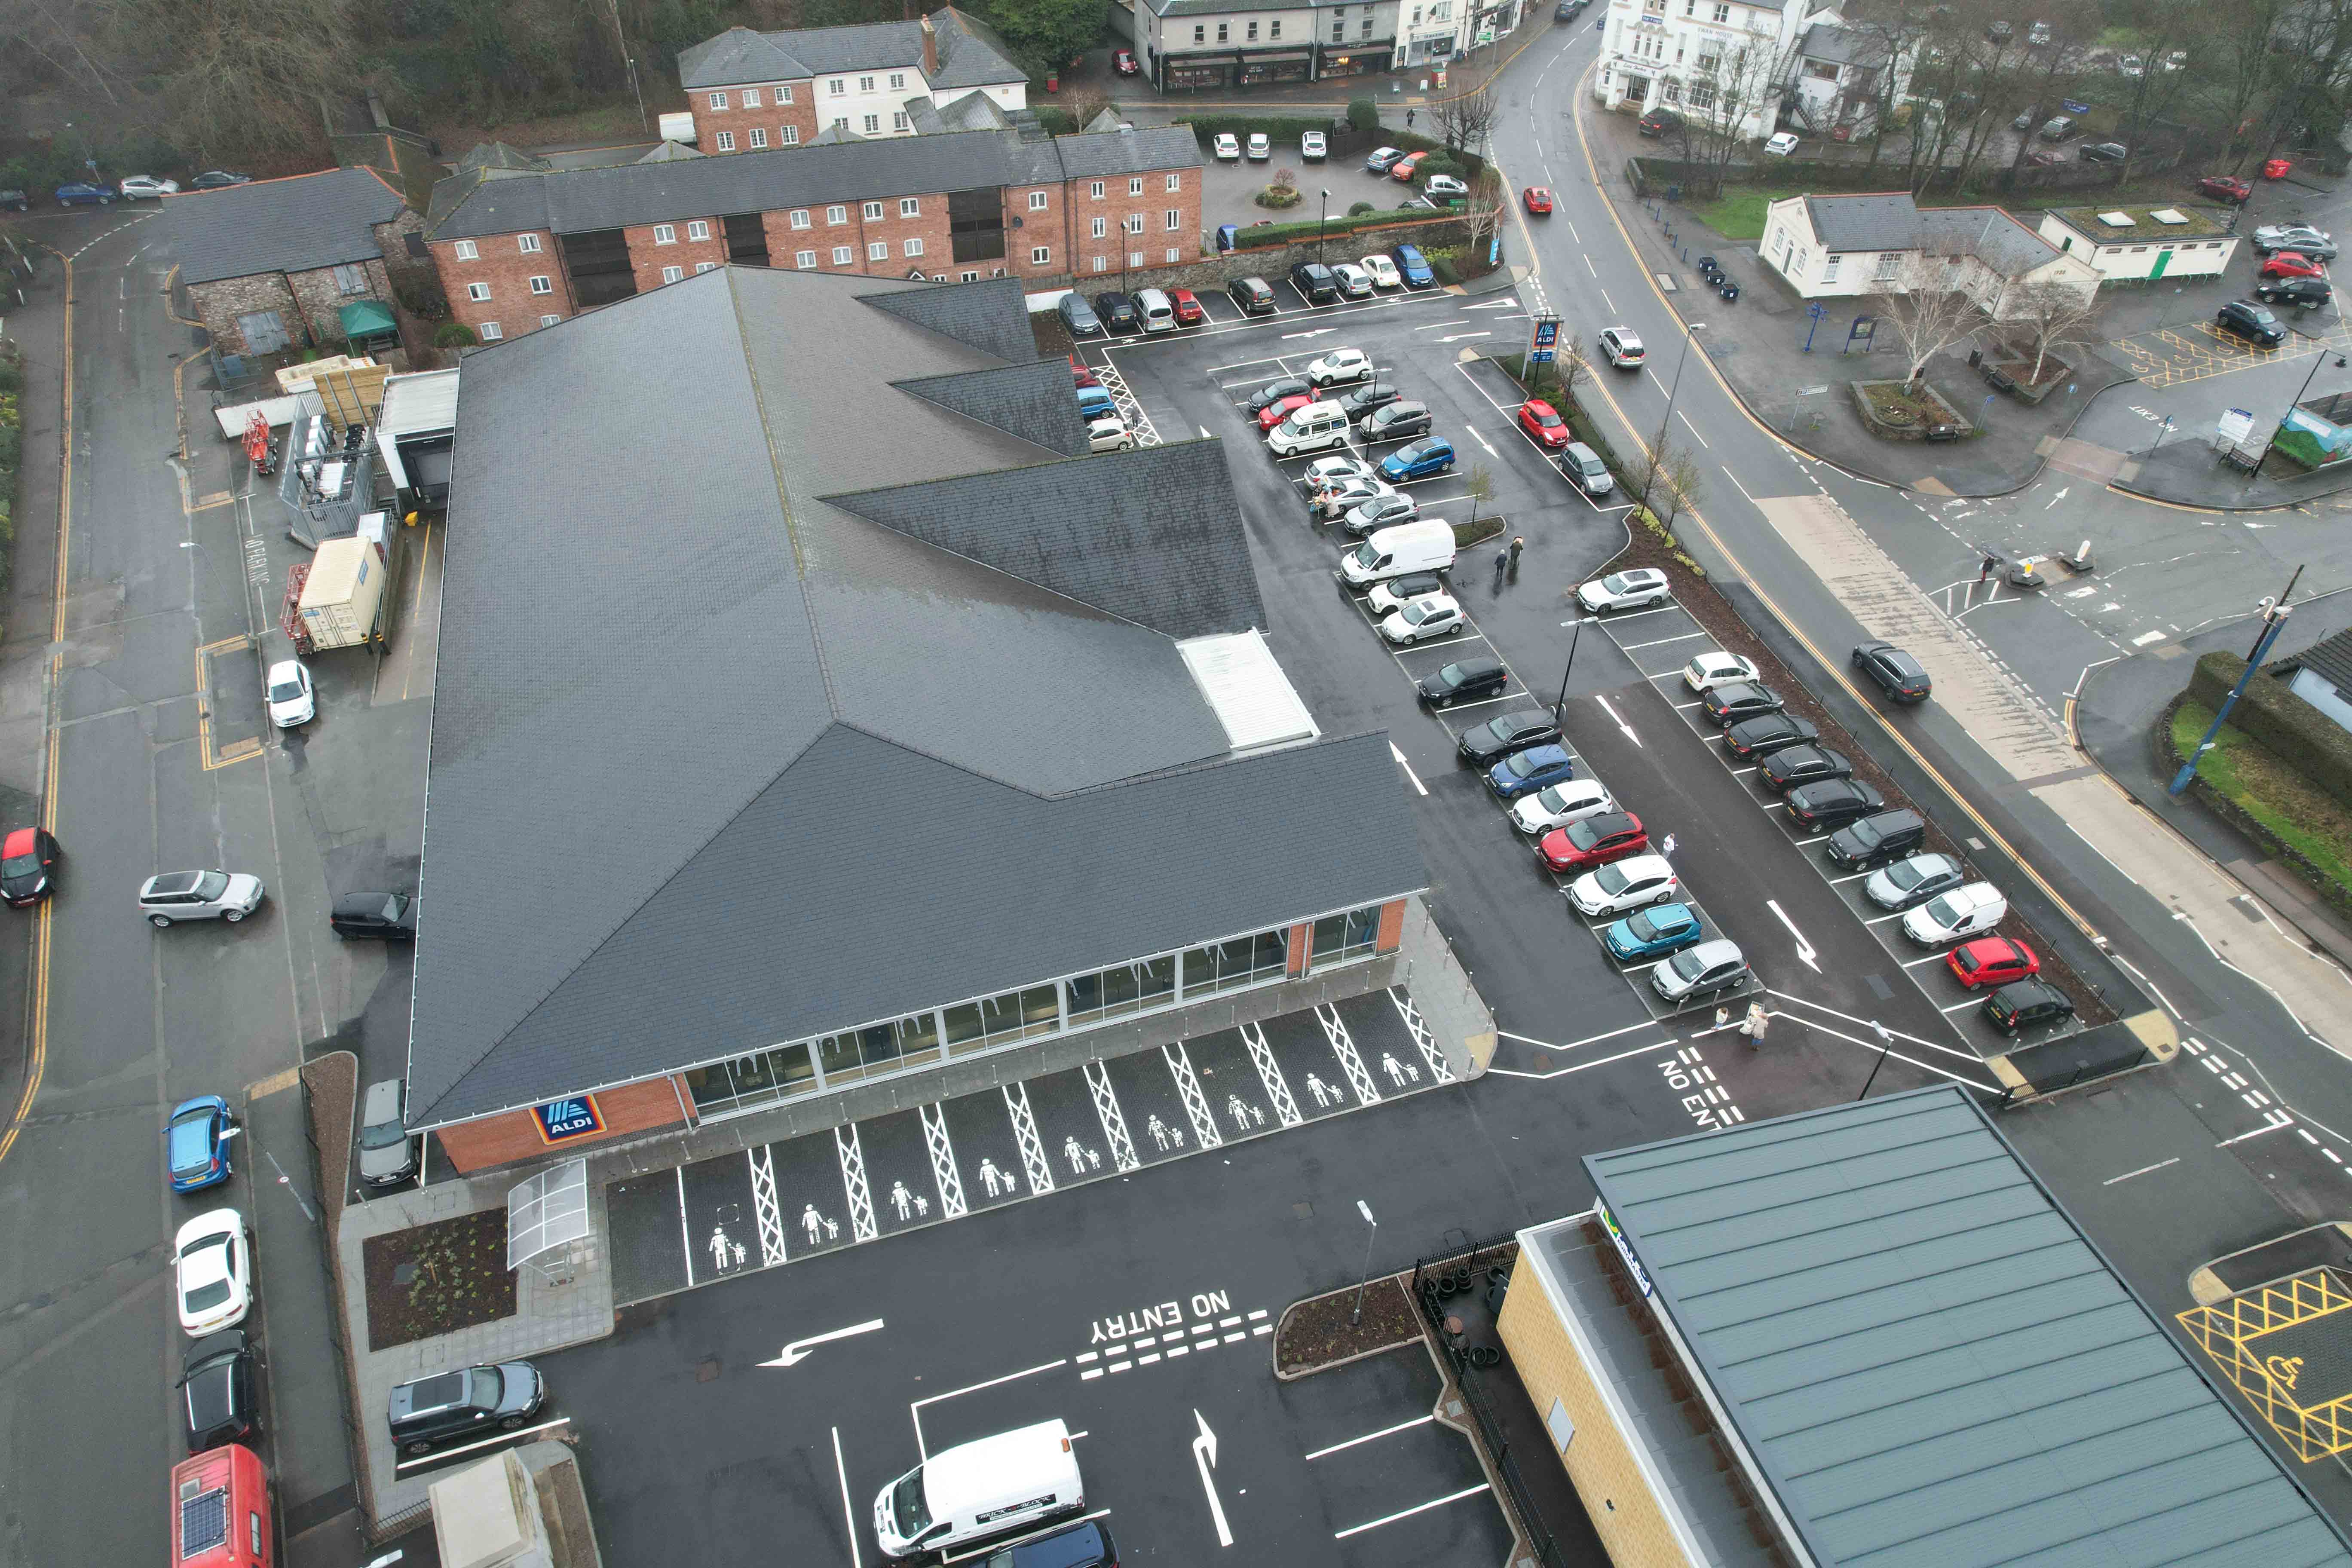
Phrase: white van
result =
(1967, 912)
(1313, 428)
(977, 1490)
(1158, 311)
(1426, 545)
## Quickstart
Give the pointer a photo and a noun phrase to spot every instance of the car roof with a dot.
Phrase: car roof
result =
(382, 1103)
(1714, 951)
(173, 882)
(1469, 669)
(19, 842)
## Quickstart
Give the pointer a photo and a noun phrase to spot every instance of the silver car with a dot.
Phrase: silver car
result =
(2301, 238)
(387, 1154)
(177, 896)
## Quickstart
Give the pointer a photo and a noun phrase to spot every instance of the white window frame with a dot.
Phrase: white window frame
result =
(725, 141)
(1175, 219)
(673, 274)
(1041, 256)
(804, 260)
(489, 332)
(543, 285)
(751, 98)
(897, 80)
(873, 211)
(1101, 228)
(699, 229)
(1135, 184)
(1135, 258)
(836, 213)
(1037, 201)
(877, 250)
(865, 84)
(845, 256)
(838, 86)
(898, 120)
(910, 207)
(703, 267)
(788, 135)
(873, 125)
(467, 250)
(1094, 190)
(799, 218)
(527, 244)
(1174, 256)
(548, 321)
(1132, 223)
(1102, 263)
(915, 246)
(1829, 266)
(784, 93)
(664, 233)
(479, 293)
(1175, 182)
(718, 101)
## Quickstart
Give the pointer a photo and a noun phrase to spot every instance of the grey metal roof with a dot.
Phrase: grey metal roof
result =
(970, 54)
(280, 226)
(1930, 1364)
(1830, 41)
(2330, 659)
(1156, 543)
(768, 725)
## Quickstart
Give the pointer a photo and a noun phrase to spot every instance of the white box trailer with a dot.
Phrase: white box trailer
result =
(343, 592)
(677, 127)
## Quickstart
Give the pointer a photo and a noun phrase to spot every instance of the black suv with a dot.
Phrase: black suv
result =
(1483, 745)
(1897, 673)
(2251, 321)
(216, 1391)
(2302, 293)
(1874, 840)
(1318, 283)
(1815, 807)
(2023, 1004)
(1119, 312)
(448, 1404)
(1252, 295)
(390, 916)
(1463, 681)
(1730, 703)
(1085, 1544)
(1659, 123)
(1760, 737)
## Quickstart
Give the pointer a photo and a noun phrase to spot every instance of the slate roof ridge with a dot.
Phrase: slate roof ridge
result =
(783, 496)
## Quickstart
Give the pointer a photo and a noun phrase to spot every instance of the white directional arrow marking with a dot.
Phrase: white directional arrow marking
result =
(2059, 497)
(1474, 434)
(798, 1350)
(1457, 337)
(1204, 1456)
(1318, 332)
(1804, 948)
(1493, 305)
(1618, 723)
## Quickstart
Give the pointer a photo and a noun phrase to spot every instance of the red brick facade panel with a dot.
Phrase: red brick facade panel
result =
(1391, 933)
(513, 1136)
(1302, 947)
(1041, 229)
(780, 105)
(1120, 202)
(501, 264)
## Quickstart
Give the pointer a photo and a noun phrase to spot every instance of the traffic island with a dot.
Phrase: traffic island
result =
(1899, 411)
(1331, 1330)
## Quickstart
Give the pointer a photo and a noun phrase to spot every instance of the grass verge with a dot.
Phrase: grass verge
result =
(2255, 780)
(1738, 213)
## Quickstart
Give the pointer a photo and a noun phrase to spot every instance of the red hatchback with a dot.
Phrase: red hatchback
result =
(1992, 961)
(1080, 375)
(1539, 200)
(1542, 421)
(1595, 841)
(1123, 61)
(1188, 308)
(2292, 263)
(1275, 412)
(2225, 188)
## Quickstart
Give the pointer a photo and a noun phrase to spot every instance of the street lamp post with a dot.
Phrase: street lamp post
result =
(1364, 1277)
(1659, 446)
(1886, 1046)
(1559, 709)
(1321, 220)
(2274, 614)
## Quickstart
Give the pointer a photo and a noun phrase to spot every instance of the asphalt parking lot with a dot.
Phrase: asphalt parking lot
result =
(1227, 188)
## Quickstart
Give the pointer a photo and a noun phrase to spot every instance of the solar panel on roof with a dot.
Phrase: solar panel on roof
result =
(204, 1521)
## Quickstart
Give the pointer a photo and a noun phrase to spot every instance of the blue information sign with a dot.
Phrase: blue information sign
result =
(1542, 356)
(560, 1120)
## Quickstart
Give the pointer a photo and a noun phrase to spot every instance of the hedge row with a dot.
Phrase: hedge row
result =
(1546, 385)
(2305, 739)
(1262, 235)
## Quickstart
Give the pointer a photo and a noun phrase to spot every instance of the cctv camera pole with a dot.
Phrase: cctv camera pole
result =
(1658, 446)
(2274, 614)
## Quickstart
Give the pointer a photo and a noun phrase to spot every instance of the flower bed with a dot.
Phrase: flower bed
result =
(437, 1278)
(1897, 411)
(1318, 1333)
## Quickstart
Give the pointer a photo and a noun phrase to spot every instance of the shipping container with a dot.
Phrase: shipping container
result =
(344, 589)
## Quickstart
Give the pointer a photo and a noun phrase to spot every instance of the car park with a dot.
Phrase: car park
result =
(433, 1409)
(211, 1272)
(1584, 468)
(1324, 473)
(1483, 745)
(76, 194)
(1430, 616)
(2299, 237)
(1728, 705)
(1708, 670)
(1991, 960)
(1557, 806)
(1832, 802)
(1082, 374)
(1967, 910)
(1316, 428)
(1913, 880)
(1366, 398)
(1398, 592)
(1621, 347)
(2289, 264)
(1595, 841)
(1355, 283)
(1780, 144)
(218, 180)
(1313, 147)
(1700, 971)
(2057, 128)
(1261, 147)
(1383, 272)
(196, 1141)
(29, 858)
(1380, 160)
(1078, 316)
(1187, 307)
(1900, 675)
(1413, 265)
(387, 1153)
(1254, 295)
(1751, 740)
(1423, 459)
(176, 896)
(2251, 321)
(1875, 840)
(1117, 312)
(147, 187)
(1659, 123)
(293, 701)
(1378, 512)
(2302, 293)
(1632, 590)
(1404, 169)
(1537, 200)
(1397, 421)
(1316, 283)
(1337, 501)
(1787, 768)
(1158, 311)
(2225, 188)
(1339, 365)
(1085, 1544)
(1282, 408)
(1523, 772)
(387, 917)
(1465, 680)
(2025, 1004)
(1658, 931)
(1109, 435)
(1228, 147)
(1624, 886)
(1274, 392)
(1444, 187)
(1544, 425)
(978, 1490)
(216, 1391)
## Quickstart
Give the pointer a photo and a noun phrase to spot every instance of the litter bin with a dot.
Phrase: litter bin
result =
(1943, 432)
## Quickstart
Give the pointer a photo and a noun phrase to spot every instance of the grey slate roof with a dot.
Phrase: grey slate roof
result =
(576, 201)
(500, 155)
(1845, 46)
(280, 226)
(1932, 1365)
(1224, 7)
(1878, 221)
(671, 152)
(796, 768)
(970, 54)
(1892, 221)
(2330, 659)
(1031, 401)
(1156, 543)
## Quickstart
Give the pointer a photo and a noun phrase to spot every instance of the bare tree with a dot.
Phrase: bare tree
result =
(247, 74)
(1484, 213)
(1727, 93)
(1925, 308)
(1569, 365)
(1665, 478)
(2052, 314)
(1464, 122)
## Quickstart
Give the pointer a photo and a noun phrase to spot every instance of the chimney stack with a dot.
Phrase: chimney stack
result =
(930, 51)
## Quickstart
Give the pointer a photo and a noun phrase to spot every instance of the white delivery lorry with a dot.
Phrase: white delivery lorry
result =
(343, 592)
(1426, 545)
(978, 1490)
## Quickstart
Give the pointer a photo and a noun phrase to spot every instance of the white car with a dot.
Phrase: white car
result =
(1621, 347)
(1349, 494)
(177, 896)
(292, 699)
(1557, 806)
(1780, 143)
(1354, 281)
(1313, 147)
(1384, 270)
(2132, 65)
(1441, 187)
(1108, 435)
(1709, 670)
(1398, 592)
(1624, 591)
(1229, 146)
(1431, 615)
(1261, 147)
(1710, 966)
(1324, 473)
(1339, 366)
(1624, 885)
(139, 186)
(211, 1272)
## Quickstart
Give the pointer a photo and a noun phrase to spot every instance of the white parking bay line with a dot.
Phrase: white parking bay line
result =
(1659, 642)
(1971, 1001)
(1409, 1513)
(1916, 963)
(1383, 1432)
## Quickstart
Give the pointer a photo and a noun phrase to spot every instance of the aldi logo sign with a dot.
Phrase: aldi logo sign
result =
(560, 1120)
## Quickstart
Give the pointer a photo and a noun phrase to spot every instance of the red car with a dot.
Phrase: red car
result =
(1595, 841)
(1401, 170)
(1276, 412)
(1188, 308)
(2225, 188)
(1080, 375)
(1123, 61)
(2292, 263)
(1539, 200)
(1991, 960)
(29, 862)
(1543, 422)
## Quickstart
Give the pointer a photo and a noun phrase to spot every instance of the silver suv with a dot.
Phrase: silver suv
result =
(387, 1153)
(177, 896)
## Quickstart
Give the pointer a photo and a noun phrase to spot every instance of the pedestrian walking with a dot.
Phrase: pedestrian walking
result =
(1991, 561)
(1754, 1025)
(1408, 120)
(1723, 1017)
(1668, 847)
(1502, 564)
(1518, 542)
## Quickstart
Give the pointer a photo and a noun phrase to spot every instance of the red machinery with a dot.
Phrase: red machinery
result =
(2276, 169)
(259, 449)
(290, 614)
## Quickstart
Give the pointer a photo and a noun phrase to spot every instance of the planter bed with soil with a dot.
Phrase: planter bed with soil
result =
(1315, 1334)
(437, 1278)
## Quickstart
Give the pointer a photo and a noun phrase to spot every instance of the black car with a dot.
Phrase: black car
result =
(1362, 400)
(1463, 681)
(217, 180)
(1897, 673)
(1397, 421)
(2251, 321)
(430, 1410)
(15, 202)
(1119, 312)
(1316, 282)
(1483, 745)
(1751, 739)
(216, 1391)
(2103, 153)
(28, 866)
(1659, 123)
(2025, 1004)
(1730, 703)
(2302, 293)
(1874, 840)
(1784, 769)
(1832, 802)
(1414, 584)
(1274, 392)
(1085, 1544)
(1254, 295)
(391, 917)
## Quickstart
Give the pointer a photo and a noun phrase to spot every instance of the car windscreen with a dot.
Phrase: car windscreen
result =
(1687, 963)
(211, 884)
(909, 1514)
(383, 1135)
(1643, 927)
(1943, 911)
(20, 865)
(286, 691)
(1612, 880)
(487, 1388)
(1864, 834)
(1907, 876)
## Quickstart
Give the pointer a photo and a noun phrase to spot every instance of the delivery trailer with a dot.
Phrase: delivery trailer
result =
(337, 599)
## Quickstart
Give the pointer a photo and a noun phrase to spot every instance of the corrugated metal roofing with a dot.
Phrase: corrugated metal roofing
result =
(293, 225)
(1932, 1365)
(424, 401)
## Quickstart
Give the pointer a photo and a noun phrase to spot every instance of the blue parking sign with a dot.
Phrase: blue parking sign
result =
(1541, 356)
(560, 1120)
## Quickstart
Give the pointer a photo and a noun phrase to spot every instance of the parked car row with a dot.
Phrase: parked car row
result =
(1229, 148)
(133, 187)
(1307, 413)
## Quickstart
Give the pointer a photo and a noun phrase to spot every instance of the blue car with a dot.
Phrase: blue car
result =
(1097, 404)
(1413, 265)
(1523, 772)
(1419, 461)
(195, 1144)
(1228, 236)
(81, 195)
(1652, 932)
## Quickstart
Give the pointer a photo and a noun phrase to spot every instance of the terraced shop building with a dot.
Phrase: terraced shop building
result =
(814, 717)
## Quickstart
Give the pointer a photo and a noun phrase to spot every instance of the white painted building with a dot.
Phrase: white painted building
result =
(1690, 55)
(2142, 242)
(1846, 246)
